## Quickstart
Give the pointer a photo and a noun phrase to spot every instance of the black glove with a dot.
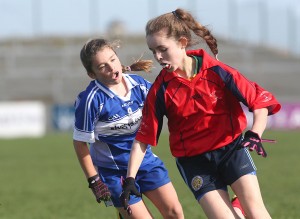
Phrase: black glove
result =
(99, 189)
(253, 142)
(129, 187)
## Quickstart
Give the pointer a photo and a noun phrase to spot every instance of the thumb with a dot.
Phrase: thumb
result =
(136, 193)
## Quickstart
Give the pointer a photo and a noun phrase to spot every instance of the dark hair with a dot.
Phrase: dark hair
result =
(91, 47)
(179, 23)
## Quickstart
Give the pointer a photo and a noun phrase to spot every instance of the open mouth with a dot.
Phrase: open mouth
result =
(116, 74)
(166, 66)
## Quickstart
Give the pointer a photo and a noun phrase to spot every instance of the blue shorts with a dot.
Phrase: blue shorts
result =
(149, 177)
(215, 169)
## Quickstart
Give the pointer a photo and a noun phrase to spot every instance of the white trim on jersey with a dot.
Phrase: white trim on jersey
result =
(79, 135)
(88, 105)
(104, 89)
(125, 125)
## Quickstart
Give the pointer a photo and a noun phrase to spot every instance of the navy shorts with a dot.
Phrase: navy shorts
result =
(215, 169)
(149, 177)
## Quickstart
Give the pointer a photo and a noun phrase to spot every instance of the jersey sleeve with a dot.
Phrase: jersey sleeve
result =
(249, 93)
(264, 99)
(145, 87)
(144, 84)
(86, 114)
(153, 113)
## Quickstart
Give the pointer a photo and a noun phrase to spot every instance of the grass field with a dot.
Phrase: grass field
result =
(42, 179)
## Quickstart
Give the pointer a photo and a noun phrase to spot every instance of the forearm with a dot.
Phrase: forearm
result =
(84, 158)
(260, 117)
(137, 154)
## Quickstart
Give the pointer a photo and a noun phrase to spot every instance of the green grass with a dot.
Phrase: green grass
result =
(41, 179)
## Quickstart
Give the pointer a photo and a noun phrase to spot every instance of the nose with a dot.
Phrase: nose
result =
(158, 56)
(110, 67)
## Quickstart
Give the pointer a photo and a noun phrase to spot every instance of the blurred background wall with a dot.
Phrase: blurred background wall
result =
(40, 41)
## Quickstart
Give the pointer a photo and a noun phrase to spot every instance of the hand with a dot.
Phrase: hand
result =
(253, 142)
(99, 189)
(128, 188)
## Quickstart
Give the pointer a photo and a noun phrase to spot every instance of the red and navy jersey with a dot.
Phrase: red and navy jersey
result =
(204, 113)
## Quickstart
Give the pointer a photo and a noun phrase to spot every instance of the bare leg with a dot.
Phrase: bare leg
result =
(216, 204)
(166, 200)
(247, 190)
(139, 210)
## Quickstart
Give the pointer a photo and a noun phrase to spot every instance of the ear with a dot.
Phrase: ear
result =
(92, 75)
(184, 42)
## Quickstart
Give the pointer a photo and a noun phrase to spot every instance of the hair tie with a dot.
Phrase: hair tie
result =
(175, 14)
(216, 56)
(127, 68)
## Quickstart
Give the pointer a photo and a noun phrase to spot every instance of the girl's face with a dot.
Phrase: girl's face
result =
(169, 53)
(106, 67)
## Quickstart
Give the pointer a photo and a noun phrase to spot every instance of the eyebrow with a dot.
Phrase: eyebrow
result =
(104, 63)
(158, 47)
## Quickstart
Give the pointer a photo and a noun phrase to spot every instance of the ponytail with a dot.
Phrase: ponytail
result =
(139, 65)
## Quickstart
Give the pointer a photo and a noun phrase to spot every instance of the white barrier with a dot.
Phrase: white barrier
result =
(22, 119)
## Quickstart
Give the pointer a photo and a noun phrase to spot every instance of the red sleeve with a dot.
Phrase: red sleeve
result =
(249, 93)
(264, 99)
(153, 113)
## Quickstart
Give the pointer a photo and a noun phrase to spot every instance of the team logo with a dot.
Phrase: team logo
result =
(197, 183)
(266, 96)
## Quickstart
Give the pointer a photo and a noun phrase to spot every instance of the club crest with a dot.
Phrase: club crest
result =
(197, 182)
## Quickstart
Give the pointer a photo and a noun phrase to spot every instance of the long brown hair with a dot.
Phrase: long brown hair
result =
(180, 23)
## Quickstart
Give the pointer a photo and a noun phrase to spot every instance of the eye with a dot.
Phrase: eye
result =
(101, 67)
(163, 49)
(160, 50)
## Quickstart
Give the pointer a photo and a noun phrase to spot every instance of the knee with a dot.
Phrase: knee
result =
(175, 212)
(259, 211)
(254, 206)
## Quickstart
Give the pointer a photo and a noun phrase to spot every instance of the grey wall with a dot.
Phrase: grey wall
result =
(49, 69)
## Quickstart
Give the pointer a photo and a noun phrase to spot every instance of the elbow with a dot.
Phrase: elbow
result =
(141, 145)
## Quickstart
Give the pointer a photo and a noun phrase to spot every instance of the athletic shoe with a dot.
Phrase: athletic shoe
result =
(236, 203)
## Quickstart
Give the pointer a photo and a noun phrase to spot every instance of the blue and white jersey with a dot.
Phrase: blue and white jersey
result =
(109, 122)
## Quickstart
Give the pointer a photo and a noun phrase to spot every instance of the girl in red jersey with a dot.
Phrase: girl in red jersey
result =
(201, 98)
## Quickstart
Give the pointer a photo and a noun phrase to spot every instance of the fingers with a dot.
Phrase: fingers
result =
(263, 152)
(105, 195)
(129, 187)
(103, 198)
(253, 147)
(136, 193)
(128, 209)
(245, 144)
(124, 200)
(259, 149)
(129, 212)
(98, 200)
(106, 198)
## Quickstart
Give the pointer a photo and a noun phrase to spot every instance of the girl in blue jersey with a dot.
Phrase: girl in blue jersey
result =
(107, 115)
(201, 97)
